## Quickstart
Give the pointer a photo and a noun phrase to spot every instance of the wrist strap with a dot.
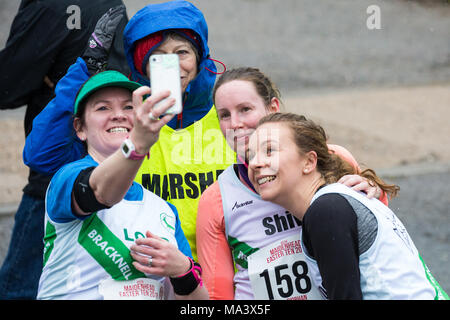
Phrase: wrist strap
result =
(148, 153)
(188, 282)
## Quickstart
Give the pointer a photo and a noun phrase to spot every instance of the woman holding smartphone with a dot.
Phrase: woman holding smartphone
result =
(191, 151)
(93, 205)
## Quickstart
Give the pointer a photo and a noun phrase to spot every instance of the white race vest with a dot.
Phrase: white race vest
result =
(265, 240)
(391, 269)
(89, 259)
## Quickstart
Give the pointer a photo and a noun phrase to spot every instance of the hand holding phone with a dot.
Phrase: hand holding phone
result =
(165, 75)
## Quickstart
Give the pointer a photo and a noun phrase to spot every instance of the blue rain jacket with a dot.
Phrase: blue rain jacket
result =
(175, 15)
(52, 141)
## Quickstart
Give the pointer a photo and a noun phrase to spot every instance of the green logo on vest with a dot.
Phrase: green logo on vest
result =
(241, 251)
(167, 221)
(49, 240)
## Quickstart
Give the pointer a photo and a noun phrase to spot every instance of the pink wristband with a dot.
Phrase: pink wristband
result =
(194, 267)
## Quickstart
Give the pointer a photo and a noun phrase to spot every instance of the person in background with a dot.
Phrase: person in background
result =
(235, 227)
(40, 48)
(355, 247)
(93, 206)
(191, 151)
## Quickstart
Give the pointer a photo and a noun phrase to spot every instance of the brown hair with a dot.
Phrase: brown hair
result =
(309, 136)
(265, 88)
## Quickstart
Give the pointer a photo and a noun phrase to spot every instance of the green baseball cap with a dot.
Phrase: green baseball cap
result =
(100, 80)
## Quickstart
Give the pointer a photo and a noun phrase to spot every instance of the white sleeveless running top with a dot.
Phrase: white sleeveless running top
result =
(89, 259)
(391, 269)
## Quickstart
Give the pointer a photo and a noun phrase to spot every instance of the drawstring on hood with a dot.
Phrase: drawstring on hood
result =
(223, 65)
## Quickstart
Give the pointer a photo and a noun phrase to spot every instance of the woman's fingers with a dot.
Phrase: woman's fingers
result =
(351, 180)
(165, 258)
(150, 115)
(146, 130)
(149, 246)
(358, 183)
(145, 105)
(138, 95)
(142, 264)
(151, 101)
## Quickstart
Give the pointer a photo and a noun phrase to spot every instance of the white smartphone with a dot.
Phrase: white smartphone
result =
(165, 75)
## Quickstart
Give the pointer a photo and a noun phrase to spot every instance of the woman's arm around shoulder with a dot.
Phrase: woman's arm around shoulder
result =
(355, 181)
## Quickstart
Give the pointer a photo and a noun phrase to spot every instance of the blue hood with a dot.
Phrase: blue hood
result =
(175, 15)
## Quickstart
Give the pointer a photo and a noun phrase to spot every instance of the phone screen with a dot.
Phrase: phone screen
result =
(165, 75)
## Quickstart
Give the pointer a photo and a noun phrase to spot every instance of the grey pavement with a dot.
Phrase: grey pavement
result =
(423, 205)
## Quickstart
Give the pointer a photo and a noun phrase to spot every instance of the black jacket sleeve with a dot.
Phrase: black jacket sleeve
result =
(41, 43)
(330, 236)
(36, 34)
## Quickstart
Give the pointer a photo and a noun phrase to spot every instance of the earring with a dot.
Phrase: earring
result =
(305, 170)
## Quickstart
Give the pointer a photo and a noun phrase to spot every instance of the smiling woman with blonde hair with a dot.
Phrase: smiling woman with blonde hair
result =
(93, 206)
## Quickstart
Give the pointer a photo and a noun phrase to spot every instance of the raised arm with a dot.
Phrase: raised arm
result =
(112, 178)
(52, 141)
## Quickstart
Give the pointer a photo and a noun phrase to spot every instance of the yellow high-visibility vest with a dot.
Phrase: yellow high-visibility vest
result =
(183, 163)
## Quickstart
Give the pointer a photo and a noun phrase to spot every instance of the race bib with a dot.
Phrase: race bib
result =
(136, 289)
(279, 272)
